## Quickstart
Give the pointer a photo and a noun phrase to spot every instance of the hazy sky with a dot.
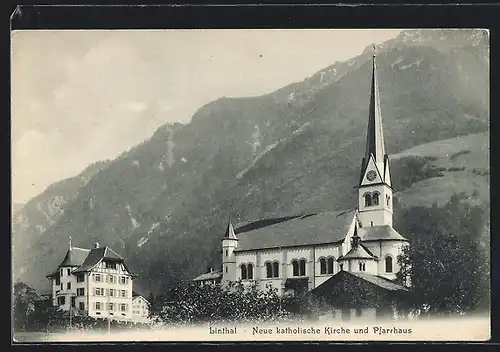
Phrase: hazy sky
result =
(83, 96)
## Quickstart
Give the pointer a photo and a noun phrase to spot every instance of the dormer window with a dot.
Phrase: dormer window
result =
(110, 265)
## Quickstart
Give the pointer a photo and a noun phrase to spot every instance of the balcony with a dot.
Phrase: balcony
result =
(65, 293)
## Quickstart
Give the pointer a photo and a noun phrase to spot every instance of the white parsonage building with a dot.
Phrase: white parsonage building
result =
(94, 282)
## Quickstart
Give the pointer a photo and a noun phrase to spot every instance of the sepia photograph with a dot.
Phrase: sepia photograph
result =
(250, 185)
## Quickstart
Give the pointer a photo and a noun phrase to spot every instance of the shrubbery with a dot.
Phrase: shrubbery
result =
(191, 304)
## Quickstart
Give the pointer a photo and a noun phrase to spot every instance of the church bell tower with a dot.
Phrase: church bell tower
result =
(374, 189)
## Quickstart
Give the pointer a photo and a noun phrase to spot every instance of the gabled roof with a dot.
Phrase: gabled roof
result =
(385, 232)
(376, 280)
(98, 254)
(214, 275)
(86, 259)
(75, 257)
(322, 228)
(380, 281)
(136, 295)
(257, 224)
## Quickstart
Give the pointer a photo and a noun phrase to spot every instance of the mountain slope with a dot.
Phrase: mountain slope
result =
(164, 204)
(31, 220)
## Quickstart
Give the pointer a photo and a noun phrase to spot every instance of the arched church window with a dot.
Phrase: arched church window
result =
(388, 264)
(360, 267)
(341, 267)
(375, 198)
(368, 200)
(387, 199)
(250, 272)
(243, 272)
(276, 269)
(322, 266)
(302, 267)
(364, 267)
(269, 270)
(295, 266)
(330, 265)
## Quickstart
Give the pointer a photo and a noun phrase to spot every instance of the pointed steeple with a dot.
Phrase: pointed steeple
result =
(355, 238)
(70, 245)
(230, 231)
(375, 135)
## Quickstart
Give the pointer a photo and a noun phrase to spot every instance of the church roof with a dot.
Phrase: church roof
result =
(209, 276)
(375, 233)
(322, 228)
(256, 224)
(75, 257)
(360, 252)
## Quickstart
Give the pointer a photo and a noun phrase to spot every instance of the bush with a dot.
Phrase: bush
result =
(192, 304)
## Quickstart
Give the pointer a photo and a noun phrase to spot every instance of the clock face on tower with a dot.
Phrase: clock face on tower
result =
(371, 175)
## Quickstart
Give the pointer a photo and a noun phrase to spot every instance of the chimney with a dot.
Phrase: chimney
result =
(96, 245)
(210, 270)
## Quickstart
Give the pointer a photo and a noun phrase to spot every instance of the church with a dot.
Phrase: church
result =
(330, 256)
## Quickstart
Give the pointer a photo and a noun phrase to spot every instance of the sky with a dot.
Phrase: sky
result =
(84, 96)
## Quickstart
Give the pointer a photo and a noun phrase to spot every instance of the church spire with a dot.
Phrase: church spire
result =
(230, 231)
(355, 237)
(70, 245)
(375, 136)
